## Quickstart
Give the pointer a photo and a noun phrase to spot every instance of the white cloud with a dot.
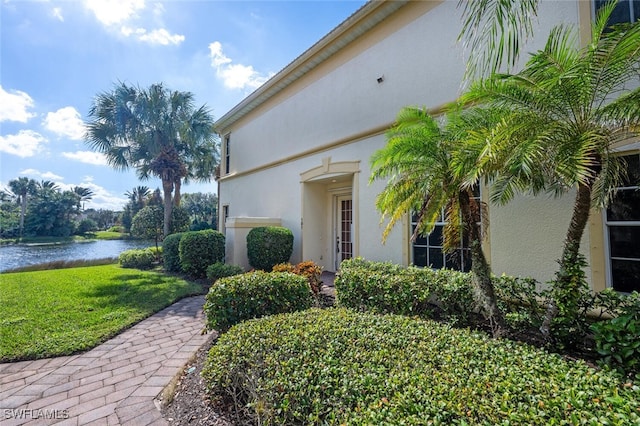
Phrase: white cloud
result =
(162, 37)
(57, 13)
(14, 106)
(88, 157)
(38, 173)
(111, 12)
(26, 143)
(102, 198)
(234, 76)
(65, 122)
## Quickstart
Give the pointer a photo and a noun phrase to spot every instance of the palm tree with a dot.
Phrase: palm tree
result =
(568, 109)
(22, 188)
(156, 131)
(84, 194)
(431, 169)
(495, 30)
(138, 197)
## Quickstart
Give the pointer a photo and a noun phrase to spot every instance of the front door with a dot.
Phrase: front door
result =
(343, 229)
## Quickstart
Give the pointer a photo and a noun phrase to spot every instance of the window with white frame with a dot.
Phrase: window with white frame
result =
(625, 11)
(622, 223)
(227, 154)
(427, 250)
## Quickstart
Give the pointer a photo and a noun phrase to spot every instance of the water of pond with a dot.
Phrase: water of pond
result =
(15, 256)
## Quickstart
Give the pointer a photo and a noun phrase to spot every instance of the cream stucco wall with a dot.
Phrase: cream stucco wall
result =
(338, 111)
(527, 236)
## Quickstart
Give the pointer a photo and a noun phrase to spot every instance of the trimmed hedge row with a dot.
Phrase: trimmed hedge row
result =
(337, 366)
(255, 294)
(382, 287)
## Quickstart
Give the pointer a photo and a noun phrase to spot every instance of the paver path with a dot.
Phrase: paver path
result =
(116, 383)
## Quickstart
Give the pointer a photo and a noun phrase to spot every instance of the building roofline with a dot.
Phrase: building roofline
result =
(361, 21)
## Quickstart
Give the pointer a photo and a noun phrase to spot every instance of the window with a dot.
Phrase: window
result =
(227, 154)
(622, 223)
(625, 11)
(225, 215)
(427, 249)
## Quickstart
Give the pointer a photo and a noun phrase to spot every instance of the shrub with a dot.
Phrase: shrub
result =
(199, 249)
(255, 294)
(616, 339)
(138, 259)
(116, 228)
(308, 269)
(269, 245)
(85, 226)
(336, 366)
(519, 301)
(220, 270)
(388, 288)
(171, 252)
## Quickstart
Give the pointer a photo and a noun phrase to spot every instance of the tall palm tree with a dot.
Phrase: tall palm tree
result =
(568, 108)
(156, 131)
(22, 188)
(429, 168)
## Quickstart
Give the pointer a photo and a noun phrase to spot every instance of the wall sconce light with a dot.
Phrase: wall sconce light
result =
(380, 79)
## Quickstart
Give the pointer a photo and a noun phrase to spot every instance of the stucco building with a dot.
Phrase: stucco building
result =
(296, 152)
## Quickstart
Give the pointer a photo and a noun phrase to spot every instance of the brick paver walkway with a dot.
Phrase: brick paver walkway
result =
(117, 383)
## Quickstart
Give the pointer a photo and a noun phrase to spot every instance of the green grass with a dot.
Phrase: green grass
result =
(110, 235)
(61, 312)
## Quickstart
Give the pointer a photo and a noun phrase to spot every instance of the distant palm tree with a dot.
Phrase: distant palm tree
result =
(84, 194)
(156, 131)
(568, 109)
(22, 188)
(46, 185)
(138, 197)
(430, 169)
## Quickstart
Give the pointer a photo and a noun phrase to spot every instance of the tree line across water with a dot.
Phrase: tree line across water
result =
(42, 209)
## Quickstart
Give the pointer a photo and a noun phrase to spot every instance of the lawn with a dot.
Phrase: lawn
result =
(64, 311)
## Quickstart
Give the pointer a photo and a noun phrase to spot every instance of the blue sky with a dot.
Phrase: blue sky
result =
(55, 56)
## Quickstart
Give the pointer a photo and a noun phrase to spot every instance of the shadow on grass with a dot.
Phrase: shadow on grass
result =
(145, 292)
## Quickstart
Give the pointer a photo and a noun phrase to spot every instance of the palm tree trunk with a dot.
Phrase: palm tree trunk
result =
(167, 186)
(177, 196)
(570, 253)
(484, 292)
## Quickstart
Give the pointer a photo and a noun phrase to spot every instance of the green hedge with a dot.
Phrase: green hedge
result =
(268, 246)
(138, 259)
(199, 249)
(220, 270)
(388, 288)
(171, 252)
(337, 366)
(255, 294)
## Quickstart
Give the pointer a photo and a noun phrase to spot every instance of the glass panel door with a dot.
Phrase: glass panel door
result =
(344, 229)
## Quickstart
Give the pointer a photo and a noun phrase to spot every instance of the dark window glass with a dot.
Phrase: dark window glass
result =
(420, 256)
(625, 206)
(436, 260)
(626, 275)
(435, 237)
(625, 241)
(227, 154)
(620, 13)
(632, 163)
